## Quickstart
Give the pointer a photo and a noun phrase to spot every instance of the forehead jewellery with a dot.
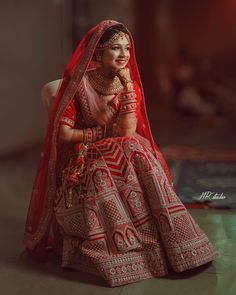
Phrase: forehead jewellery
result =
(109, 43)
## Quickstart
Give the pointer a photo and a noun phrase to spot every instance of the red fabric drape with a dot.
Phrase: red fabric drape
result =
(39, 224)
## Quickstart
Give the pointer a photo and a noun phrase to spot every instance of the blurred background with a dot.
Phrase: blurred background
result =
(185, 50)
(186, 55)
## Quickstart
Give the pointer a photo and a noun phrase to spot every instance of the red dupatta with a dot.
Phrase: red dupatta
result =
(38, 229)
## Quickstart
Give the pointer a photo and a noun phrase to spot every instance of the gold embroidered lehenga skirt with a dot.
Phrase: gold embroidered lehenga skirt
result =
(126, 222)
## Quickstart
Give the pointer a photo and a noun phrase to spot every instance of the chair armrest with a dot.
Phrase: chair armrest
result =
(49, 92)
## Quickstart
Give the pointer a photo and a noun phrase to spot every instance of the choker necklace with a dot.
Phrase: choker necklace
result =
(104, 85)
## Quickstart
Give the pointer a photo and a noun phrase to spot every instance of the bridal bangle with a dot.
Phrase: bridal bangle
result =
(99, 132)
(94, 134)
(87, 135)
(128, 108)
(128, 102)
(128, 95)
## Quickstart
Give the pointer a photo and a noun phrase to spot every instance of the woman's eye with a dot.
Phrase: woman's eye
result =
(115, 48)
(128, 48)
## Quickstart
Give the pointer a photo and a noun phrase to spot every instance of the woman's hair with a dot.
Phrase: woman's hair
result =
(111, 32)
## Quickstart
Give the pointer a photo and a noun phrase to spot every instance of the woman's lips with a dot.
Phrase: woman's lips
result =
(121, 61)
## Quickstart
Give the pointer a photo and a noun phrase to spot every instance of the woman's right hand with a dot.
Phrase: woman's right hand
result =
(125, 78)
(124, 75)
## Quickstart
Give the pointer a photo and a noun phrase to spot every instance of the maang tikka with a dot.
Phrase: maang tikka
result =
(108, 44)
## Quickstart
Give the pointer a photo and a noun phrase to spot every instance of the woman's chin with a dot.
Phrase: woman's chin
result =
(121, 63)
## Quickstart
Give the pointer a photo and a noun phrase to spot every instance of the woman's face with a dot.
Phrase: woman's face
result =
(117, 55)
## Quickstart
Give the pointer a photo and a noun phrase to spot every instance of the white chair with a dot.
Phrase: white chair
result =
(48, 93)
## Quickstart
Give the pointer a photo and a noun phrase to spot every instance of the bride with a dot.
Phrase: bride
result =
(103, 198)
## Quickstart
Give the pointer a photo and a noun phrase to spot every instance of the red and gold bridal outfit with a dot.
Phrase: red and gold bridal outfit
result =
(123, 220)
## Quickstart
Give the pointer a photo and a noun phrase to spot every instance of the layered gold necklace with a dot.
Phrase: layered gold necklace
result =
(104, 85)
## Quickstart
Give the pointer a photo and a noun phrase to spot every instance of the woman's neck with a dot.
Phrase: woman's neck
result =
(106, 73)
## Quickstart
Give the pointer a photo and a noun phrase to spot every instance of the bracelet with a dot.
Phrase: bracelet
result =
(93, 134)
(87, 135)
(128, 101)
(128, 95)
(126, 81)
(129, 107)
(99, 132)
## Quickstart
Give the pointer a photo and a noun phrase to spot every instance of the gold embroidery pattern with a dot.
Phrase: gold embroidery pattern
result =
(134, 218)
(82, 97)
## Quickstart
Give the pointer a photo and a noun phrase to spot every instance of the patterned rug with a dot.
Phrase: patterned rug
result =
(204, 178)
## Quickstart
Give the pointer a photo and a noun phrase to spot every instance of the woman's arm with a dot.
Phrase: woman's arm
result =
(69, 134)
(127, 121)
(127, 125)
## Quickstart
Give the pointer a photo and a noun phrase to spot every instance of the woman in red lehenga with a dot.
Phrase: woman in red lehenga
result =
(103, 197)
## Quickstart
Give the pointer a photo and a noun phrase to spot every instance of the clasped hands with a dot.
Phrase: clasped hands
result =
(125, 123)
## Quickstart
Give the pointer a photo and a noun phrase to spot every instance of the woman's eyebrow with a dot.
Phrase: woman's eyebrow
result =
(117, 44)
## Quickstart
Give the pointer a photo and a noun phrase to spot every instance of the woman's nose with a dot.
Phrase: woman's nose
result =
(122, 52)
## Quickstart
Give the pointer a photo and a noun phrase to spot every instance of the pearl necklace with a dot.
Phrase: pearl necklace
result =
(104, 85)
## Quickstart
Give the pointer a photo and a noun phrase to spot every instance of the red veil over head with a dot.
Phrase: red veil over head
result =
(39, 230)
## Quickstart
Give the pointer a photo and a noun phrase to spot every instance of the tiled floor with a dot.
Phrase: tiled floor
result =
(21, 275)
